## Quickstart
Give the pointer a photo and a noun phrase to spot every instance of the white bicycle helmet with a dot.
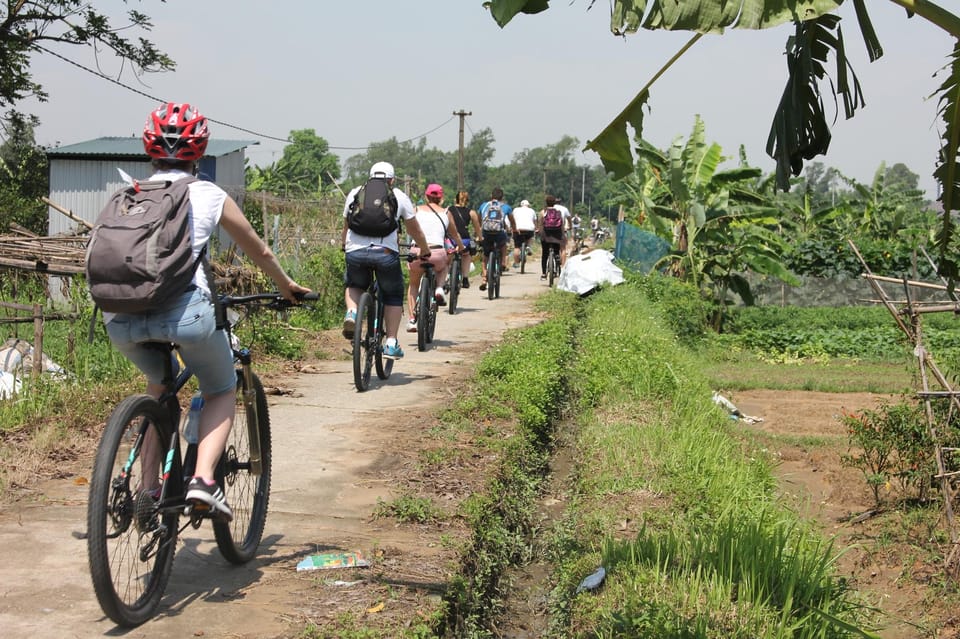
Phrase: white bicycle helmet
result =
(382, 170)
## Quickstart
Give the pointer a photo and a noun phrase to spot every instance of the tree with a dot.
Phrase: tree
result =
(26, 24)
(800, 130)
(307, 167)
(23, 174)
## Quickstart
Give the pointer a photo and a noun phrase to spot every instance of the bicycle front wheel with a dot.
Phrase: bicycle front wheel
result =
(423, 313)
(384, 365)
(551, 267)
(364, 342)
(246, 492)
(130, 543)
(454, 284)
(523, 258)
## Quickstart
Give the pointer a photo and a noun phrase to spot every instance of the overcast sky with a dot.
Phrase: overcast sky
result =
(360, 72)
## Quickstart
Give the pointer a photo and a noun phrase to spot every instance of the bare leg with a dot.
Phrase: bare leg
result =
(216, 420)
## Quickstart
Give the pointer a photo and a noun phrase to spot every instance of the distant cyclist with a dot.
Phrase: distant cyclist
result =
(551, 227)
(373, 250)
(466, 219)
(495, 219)
(526, 224)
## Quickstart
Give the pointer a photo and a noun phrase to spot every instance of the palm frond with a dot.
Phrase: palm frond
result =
(946, 172)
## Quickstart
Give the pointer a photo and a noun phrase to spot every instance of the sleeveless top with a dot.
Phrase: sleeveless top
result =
(461, 217)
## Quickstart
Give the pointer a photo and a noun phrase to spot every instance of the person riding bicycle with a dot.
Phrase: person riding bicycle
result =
(526, 224)
(576, 229)
(175, 137)
(368, 255)
(437, 225)
(551, 234)
(495, 216)
(466, 218)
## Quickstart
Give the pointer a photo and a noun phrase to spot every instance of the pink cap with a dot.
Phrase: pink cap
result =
(434, 189)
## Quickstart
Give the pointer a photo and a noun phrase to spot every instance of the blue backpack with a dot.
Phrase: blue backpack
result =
(492, 218)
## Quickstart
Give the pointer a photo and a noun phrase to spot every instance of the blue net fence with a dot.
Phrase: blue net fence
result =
(639, 250)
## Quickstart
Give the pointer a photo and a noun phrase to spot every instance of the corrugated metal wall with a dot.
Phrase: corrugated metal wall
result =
(84, 186)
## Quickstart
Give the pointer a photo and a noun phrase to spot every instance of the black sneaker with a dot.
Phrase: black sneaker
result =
(211, 495)
(465, 283)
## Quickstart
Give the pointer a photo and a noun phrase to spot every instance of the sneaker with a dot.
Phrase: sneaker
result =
(483, 285)
(412, 326)
(349, 324)
(211, 495)
(516, 266)
(543, 277)
(441, 300)
(529, 251)
(393, 351)
(465, 283)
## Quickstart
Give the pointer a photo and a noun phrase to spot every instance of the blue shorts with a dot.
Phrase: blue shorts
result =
(189, 322)
(363, 263)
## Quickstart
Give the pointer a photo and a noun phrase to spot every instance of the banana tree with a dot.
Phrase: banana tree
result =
(720, 225)
(800, 130)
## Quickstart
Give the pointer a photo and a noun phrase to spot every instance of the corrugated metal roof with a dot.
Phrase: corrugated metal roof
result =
(133, 148)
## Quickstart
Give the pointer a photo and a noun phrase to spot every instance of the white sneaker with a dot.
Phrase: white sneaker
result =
(412, 326)
(438, 295)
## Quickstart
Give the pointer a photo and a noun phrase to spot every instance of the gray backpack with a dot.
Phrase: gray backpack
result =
(140, 254)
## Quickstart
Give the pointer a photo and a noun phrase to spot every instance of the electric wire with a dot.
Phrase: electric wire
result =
(258, 134)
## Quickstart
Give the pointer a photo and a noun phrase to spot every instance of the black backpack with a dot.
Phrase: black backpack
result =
(140, 253)
(373, 211)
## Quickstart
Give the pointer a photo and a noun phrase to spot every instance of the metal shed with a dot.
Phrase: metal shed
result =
(84, 175)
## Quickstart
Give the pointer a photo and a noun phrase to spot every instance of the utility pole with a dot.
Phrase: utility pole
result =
(462, 115)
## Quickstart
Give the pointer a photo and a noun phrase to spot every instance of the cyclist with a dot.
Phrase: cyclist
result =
(494, 240)
(466, 218)
(576, 229)
(368, 255)
(548, 236)
(175, 137)
(437, 224)
(526, 219)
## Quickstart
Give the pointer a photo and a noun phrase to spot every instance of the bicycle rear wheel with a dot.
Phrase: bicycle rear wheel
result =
(248, 494)
(523, 257)
(130, 543)
(492, 261)
(424, 296)
(432, 313)
(551, 266)
(454, 284)
(378, 337)
(364, 344)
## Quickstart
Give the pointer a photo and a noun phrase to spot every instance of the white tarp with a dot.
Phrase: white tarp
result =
(585, 272)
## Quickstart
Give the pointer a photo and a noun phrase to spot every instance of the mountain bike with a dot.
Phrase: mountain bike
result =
(425, 306)
(369, 336)
(493, 274)
(453, 283)
(132, 532)
(553, 261)
(523, 256)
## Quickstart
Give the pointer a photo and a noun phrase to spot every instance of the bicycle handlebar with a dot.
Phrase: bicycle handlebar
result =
(274, 301)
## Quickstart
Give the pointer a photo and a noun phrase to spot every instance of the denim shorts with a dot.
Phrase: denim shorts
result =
(363, 263)
(189, 322)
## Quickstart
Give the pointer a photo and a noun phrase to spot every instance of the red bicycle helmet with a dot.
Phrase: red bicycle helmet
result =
(176, 131)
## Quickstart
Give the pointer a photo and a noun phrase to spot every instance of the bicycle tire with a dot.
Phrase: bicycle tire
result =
(454, 284)
(523, 258)
(496, 285)
(119, 523)
(384, 365)
(492, 272)
(363, 342)
(423, 313)
(551, 266)
(432, 312)
(247, 494)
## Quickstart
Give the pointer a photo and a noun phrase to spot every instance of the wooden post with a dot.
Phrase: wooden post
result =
(37, 340)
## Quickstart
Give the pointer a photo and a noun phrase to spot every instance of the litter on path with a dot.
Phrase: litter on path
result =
(331, 560)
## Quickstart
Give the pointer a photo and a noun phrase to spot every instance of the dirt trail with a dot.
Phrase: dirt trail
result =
(336, 452)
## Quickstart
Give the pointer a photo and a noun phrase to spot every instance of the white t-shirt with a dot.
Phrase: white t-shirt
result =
(525, 217)
(206, 207)
(433, 223)
(565, 212)
(356, 241)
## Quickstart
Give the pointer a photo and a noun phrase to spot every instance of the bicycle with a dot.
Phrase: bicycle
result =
(425, 306)
(453, 283)
(553, 262)
(369, 336)
(132, 534)
(493, 274)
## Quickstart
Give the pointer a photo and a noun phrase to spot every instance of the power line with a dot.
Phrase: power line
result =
(220, 122)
